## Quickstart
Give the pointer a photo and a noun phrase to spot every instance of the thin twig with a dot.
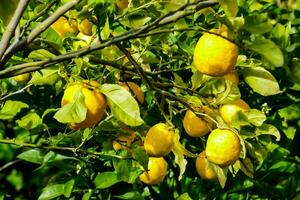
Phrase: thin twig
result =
(12, 26)
(9, 164)
(16, 92)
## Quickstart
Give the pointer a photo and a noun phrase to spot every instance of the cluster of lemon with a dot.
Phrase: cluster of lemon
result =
(216, 56)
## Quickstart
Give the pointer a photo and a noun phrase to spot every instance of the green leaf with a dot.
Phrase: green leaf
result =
(40, 54)
(255, 117)
(47, 76)
(130, 196)
(51, 192)
(267, 49)
(106, 179)
(140, 156)
(123, 106)
(73, 112)
(258, 24)
(184, 196)
(268, 129)
(230, 7)
(68, 187)
(32, 155)
(261, 81)
(197, 80)
(7, 9)
(221, 172)
(105, 33)
(281, 35)
(30, 121)
(135, 20)
(245, 165)
(11, 109)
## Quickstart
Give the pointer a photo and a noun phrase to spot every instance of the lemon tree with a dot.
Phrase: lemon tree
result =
(149, 99)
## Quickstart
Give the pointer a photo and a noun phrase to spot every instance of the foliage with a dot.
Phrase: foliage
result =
(151, 43)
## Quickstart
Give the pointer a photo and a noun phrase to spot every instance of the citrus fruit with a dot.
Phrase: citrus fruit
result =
(135, 89)
(122, 4)
(63, 26)
(223, 147)
(94, 100)
(86, 27)
(22, 78)
(159, 140)
(228, 111)
(215, 55)
(233, 77)
(123, 141)
(157, 170)
(197, 126)
(203, 168)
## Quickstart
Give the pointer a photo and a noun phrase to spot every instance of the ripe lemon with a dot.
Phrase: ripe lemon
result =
(195, 126)
(223, 147)
(137, 91)
(214, 55)
(157, 170)
(86, 27)
(63, 26)
(159, 140)
(22, 78)
(94, 100)
(203, 168)
(122, 4)
(124, 141)
(228, 111)
(233, 77)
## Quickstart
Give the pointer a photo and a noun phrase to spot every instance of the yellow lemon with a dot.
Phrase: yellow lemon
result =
(122, 4)
(228, 111)
(157, 170)
(159, 140)
(63, 26)
(94, 100)
(195, 126)
(223, 147)
(135, 89)
(86, 27)
(215, 55)
(22, 78)
(233, 77)
(203, 168)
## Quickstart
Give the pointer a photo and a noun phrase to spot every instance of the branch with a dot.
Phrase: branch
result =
(38, 30)
(132, 34)
(12, 26)
(16, 92)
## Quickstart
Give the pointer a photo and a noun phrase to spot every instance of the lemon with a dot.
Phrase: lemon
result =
(203, 168)
(228, 111)
(122, 4)
(135, 89)
(22, 78)
(223, 147)
(159, 140)
(86, 27)
(233, 77)
(195, 126)
(215, 55)
(63, 26)
(94, 100)
(157, 170)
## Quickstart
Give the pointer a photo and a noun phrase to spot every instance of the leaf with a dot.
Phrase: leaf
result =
(230, 7)
(73, 112)
(184, 196)
(106, 30)
(281, 35)
(130, 196)
(33, 155)
(246, 166)
(268, 49)
(47, 76)
(56, 190)
(40, 54)
(258, 24)
(106, 179)
(221, 173)
(30, 121)
(123, 106)
(135, 20)
(261, 81)
(197, 80)
(255, 117)
(11, 109)
(140, 156)
(268, 129)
